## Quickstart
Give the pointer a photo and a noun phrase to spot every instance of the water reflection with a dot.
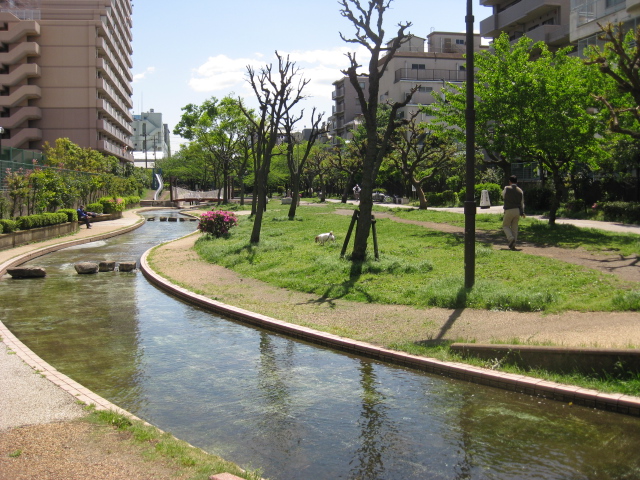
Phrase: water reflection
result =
(298, 411)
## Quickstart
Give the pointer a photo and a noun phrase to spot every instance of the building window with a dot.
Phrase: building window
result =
(418, 66)
(460, 41)
(613, 3)
(425, 89)
(362, 85)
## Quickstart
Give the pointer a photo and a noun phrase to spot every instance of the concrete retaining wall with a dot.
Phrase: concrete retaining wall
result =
(556, 359)
(22, 237)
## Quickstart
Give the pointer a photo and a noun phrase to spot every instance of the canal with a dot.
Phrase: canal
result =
(296, 410)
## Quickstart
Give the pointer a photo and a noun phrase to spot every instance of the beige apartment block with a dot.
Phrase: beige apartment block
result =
(588, 15)
(427, 64)
(540, 20)
(66, 72)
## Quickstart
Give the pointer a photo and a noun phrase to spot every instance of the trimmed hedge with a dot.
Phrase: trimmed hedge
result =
(495, 193)
(112, 204)
(131, 201)
(444, 199)
(41, 220)
(95, 208)
(72, 215)
(625, 212)
(8, 226)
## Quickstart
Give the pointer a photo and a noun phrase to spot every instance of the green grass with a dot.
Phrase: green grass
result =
(156, 444)
(420, 267)
(537, 232)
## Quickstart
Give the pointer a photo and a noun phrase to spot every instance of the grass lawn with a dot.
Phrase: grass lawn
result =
(422, 267)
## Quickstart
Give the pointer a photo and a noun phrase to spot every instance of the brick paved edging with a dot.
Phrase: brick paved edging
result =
(618, 403)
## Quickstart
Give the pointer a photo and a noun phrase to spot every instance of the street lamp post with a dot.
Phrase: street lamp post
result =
(1, 133)
(470, 204)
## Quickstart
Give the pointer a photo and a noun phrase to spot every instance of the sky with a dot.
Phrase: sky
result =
(188, 55)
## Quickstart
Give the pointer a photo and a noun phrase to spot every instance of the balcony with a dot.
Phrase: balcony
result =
(414, 75)
(26, 70)
(586, 11)
(337, 93)
(520, 13)
(20, 30)
(23, 136)
(22, 115)
(22, 50)
(21, 94)
(550, 34)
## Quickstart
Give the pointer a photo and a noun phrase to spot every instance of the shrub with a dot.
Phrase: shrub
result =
(1, 229)
(72, 215)
(41, 220)
(8, 226)
(112, 204)
(95, 208)
(131, 201)
(495, 192)
(444, 199)
(217, 223)
(625, 212)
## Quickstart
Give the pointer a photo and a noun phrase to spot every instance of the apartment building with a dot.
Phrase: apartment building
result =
(540, 20)
(427, 63)
(588, 15)
(150, 136)
(346, 108)
(65, 71)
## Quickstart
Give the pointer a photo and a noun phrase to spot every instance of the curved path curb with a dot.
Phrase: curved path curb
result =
(618, 403)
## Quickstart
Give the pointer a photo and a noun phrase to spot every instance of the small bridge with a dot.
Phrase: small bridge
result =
(193, 197)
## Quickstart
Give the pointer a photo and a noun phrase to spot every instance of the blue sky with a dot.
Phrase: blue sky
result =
(184, 56)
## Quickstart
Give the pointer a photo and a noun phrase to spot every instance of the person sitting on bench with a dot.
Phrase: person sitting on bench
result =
(83, 216)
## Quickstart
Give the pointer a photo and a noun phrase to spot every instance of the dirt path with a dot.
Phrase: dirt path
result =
(388, 324)
(627, 268)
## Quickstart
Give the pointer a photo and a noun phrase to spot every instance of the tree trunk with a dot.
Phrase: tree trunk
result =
(261, 197)
(295, 195)
(359, 253)
(421, 195)
(556, 199)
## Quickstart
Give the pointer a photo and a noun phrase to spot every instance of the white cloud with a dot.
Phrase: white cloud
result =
(141, 76)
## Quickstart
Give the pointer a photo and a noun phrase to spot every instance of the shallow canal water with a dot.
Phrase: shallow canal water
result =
(293, 409)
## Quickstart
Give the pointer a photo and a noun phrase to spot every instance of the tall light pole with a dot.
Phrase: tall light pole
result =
(470, 204)
(144, 132)
(1, 133)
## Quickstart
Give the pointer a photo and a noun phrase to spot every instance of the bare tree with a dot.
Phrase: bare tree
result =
(367, 20)
(277, 92)
(297, 160)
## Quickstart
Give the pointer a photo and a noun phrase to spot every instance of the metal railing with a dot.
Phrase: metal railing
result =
(430, 75)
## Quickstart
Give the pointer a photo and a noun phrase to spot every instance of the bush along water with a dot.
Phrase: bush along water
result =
(217, 223)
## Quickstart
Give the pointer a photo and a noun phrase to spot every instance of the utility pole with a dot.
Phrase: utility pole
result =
(470, 204)
(144, 145)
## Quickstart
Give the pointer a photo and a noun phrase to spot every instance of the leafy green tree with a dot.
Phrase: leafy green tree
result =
(533, 105)
(67, 155)
(218, 128)
(618, 62)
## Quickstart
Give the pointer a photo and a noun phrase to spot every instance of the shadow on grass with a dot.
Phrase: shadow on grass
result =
(336, 292)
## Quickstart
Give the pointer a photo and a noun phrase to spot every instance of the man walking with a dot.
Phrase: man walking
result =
(513, 210)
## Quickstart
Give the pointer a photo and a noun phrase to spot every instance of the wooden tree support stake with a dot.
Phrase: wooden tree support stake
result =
(354, 220)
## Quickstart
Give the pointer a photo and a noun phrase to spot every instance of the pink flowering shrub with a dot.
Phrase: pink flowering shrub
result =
(217, 223)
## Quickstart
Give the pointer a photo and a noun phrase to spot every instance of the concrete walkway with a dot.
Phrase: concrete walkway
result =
(14, 415)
